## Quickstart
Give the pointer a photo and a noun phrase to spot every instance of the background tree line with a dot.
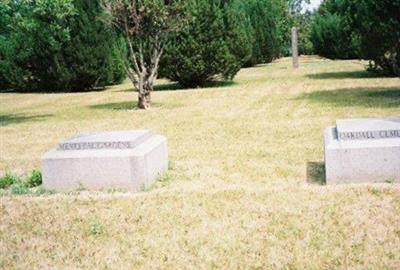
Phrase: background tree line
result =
(57, 45)
(71, 45)
(366, 29)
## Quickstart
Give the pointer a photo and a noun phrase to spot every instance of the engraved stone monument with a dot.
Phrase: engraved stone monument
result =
(363, 150)
(120, 159)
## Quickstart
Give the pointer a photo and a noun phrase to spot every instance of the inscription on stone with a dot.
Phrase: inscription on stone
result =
(129, 159)
(95, 145)
(366, 135)
(116, 140)
(368, 129)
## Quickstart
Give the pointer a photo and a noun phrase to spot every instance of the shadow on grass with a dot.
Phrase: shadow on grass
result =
(176, 86)
(168, 87)
(362, 74)
(365, 97)
(16, 91)
(9, 119)
(316, 173)
(132, 105)
(119, 106)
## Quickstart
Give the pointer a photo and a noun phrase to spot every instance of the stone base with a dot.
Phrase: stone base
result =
(95, 169)
(358, 161)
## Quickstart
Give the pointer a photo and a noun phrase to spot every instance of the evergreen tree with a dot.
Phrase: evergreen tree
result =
(332, 31)
(55, 45)
(214, 43)
(367, 29)
(91, 55)
(271, 25)
(376, 23)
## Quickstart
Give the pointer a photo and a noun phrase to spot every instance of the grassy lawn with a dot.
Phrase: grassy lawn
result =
(245, 185)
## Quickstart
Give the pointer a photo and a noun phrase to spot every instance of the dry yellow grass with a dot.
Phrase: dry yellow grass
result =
(236, 196)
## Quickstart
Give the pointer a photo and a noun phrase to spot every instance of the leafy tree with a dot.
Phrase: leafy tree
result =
(238, 31)
(305, 21)
(92, 57)
(377, 24)
(271, 27)
(367, 29)
(146, 26)
(332, 32)
(55, 45)
(302, 19)
(330, 39)
(224, 35)
(214, 43)
(29, 30)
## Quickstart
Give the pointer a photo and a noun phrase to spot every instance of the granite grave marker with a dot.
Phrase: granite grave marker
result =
(120, 159)
(363, 150)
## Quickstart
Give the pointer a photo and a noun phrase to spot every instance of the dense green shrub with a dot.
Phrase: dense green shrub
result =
(271, 25)
(214, 43)
(34, 179)
(377, 23)
(56, 45)
(332, 32)
(7, 180)
(23, 184)
(367, 29)
(304, 23)
(19, 188)
(224, 35)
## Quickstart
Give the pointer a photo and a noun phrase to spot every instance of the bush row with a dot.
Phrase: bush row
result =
(22, 184)
(57, 45)
(67, 45)
(225, 35)
(366, 29)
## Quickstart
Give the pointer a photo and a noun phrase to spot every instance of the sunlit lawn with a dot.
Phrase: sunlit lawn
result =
(245, 188)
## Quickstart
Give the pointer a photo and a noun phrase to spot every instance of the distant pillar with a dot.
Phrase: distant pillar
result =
(295, 49)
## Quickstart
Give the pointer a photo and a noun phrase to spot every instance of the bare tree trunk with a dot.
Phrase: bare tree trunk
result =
(144, 97)
(144, 101)
(142, 73)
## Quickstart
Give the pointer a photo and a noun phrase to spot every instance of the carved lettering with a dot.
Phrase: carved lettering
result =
(368, 135)
(95, 145)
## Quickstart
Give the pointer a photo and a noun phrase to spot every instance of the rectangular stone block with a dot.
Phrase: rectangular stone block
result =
(122, 159)
(366, 155)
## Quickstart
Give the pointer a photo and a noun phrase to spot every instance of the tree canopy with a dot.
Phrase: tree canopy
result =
(366, 29)
(146, 26)
(56, 45)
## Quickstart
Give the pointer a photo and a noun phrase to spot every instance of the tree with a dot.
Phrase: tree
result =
(332, 31)
(366, 29)
(56, 45)
(93, 53)
(146, 26)
(304, 22)
(302, 19)
(270, 24)
(377, 24)
(331, 38)
(215, 43)
(32, 35)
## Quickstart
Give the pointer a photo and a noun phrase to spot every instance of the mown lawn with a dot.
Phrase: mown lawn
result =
(245, 188)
